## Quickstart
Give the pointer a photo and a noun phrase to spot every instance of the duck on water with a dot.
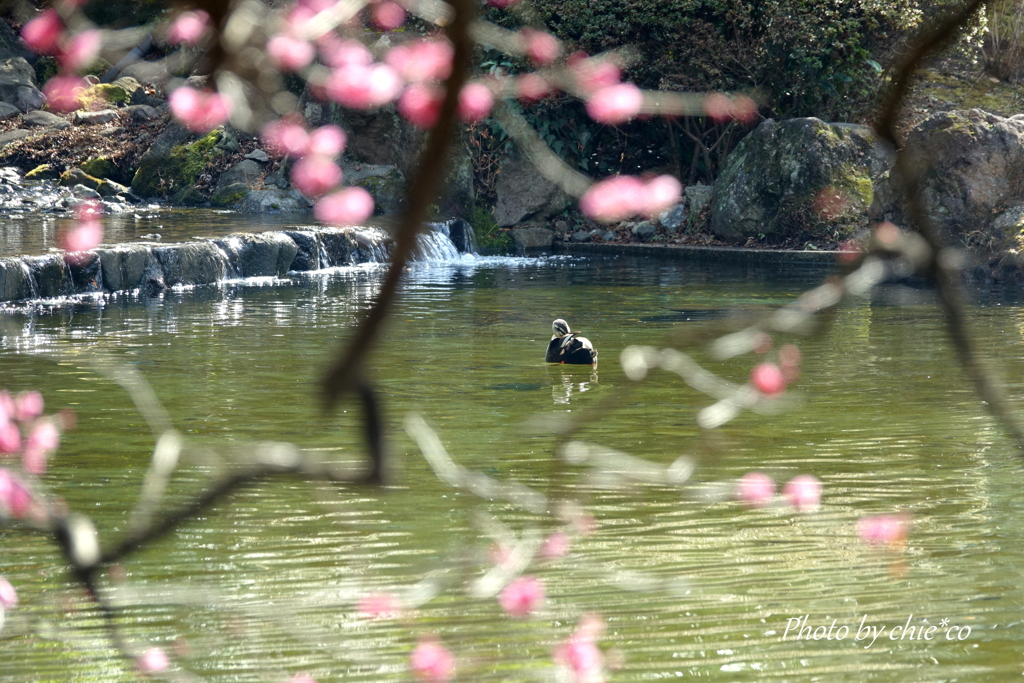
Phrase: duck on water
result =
(569, 347)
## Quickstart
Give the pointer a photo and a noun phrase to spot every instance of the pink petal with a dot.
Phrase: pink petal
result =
(314, 175)
(541, 47)
(10, 437)
(328, 141)
(63, 93)
(522, 597)
(42, 34)
(350, 206)
(755, 489)
(8, 596)
(660, 194)
(83, 237)
(615, 104)
(884, 529)
(555, 546)
(424, 60)
(286, 137)
(290, 53)
(531, 87)
(28, 405)
(803, 492)
(432, 662)
(768, 379)
(336, 52)
(81, 51)
(475, 102)
(421, 104)
(388, 16)
(153, 660)
(379, 605)
(613, 199)
(200, 111)
(188, 28)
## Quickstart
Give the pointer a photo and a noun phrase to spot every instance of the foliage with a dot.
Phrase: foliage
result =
(1003, 48)
(489, 237)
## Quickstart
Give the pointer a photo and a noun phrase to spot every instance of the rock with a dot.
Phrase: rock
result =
(158, 175)
(259, 255)
(51, 276)
(100, 94)
(140, 113)
(110, 188)
(77, 176)
(609, 236)
(340, 246)
(102, 168)
(975, 169)
(796, 178)
(191, 263)
(581, 236)
(7, 110)
(672, 218)
(383, 181)
(273, 201)
(533, 238)
(12, 135)
(141, 97)
(129, 85)
(645, 231)
(258, 155)
(15, 73)
(29, 98)
(41, 119)
(84, 192)
(236, 182)
(307, 255)
(123, 266)
(523, 193)
(93, 118)
(15, 280)
(86, 271)
(697, 197)
(461, 233)
(1008, 227)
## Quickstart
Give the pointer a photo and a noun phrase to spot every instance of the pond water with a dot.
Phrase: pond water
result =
(689, 583)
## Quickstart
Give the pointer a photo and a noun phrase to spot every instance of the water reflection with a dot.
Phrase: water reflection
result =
(568, 381)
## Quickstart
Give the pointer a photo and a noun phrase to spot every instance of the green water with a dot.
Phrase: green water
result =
(690, 585)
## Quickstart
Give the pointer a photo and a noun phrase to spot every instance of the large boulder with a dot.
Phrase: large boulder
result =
(191, 263)
(799, 178)
(973, 165)
(235, 183)
(154, 176)
(273, 200)
(15, 280)
(123, 266)
(258, 255)
(533, 238)
(522, 193)
(383, 181)
(18, 85)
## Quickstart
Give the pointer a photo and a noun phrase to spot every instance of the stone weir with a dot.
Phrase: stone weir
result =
(152, 267)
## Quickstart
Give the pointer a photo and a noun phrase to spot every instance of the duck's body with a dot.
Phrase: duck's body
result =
(569, 347)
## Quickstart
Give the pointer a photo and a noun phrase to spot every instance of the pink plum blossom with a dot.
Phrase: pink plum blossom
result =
(420, 104)
(44, 436)
(290, 53)
(555, 546)
(755, 489)
(286, 136)
(387, 16)
(579, 652)
(188, 28)
(522, 597)
(363, 87)
(199, 110)
(432, 662)
(475, 102)
(613, 199)
(64, 93)
(803, 492)
(422, 60)
(541, 47)
(336, 52)
(153, 660)
(80, 51)
(328, 141)
(532, 87)
(660, 194)
(379, 605)
(8, 596)
(315, 174)
(591, 74)
(83, 236)
(42, 34)
(350, 206)
(28, 405)
(502, 4)
(768, 379)
(10, 437)
(721, 109)
(15, 499)
(615, 104)
(884, 529)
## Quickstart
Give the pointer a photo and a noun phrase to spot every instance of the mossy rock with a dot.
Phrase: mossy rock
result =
(43, 172)
(174, 163)
(229, 196)
(102, 167)
(108, 93)
(189, 196)
(77, 176)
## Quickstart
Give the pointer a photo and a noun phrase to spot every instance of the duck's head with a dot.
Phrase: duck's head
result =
(560, 328)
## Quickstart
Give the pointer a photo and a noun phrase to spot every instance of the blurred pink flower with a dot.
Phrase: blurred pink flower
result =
(432, 662)
(502, 4)
(789, 362)
(10, 437)
(80, 51)
(660, 194)
(555, 546)
(475, 102)
(615, 104)
(89, 210)
(541, 47)
(199, 110)
(531, 87)
(290, 53)
(328, 141)
(286, 136)
(315, 174)
(8, 596)
(884, 529)
(28, 405)
(14, 497)
(592, 74)
(301, 678)
(44, 436)
(153, 660)
(422, 60)
(350, 206)
(42, 34)
(387, 16)
(613, 199)
(580, 654)
(420, 104)
(379, 605)
(768, 379)
(363, 87)
(803, 492)
(188, 28)
(524, 596)
(718, 107)
(755, 489)
(336, 52)
(83, 236)
(64, 93)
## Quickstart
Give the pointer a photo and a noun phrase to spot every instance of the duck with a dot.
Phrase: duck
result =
(568, 347)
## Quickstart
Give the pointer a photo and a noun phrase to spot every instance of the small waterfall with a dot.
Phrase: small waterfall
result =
(373, 245)
(434, 245)
(230, 247)
(325, 258)
(460, 232)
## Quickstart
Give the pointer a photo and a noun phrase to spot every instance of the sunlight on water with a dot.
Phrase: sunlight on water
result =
(691, 585)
